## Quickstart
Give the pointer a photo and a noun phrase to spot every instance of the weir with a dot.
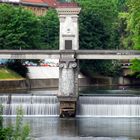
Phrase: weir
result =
(108, 106)
(32, 105)
(87, 106)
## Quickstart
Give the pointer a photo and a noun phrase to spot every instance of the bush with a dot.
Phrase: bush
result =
(17, 66)
(17, 132)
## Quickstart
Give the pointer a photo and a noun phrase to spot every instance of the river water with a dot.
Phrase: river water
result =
(83, 127)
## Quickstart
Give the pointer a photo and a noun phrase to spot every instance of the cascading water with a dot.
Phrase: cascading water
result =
(32, 105)
(109, 106)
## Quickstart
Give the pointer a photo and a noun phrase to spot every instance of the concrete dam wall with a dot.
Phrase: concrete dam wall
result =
(34, 84)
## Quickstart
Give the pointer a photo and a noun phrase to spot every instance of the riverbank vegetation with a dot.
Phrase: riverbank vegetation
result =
(104, 24)
(18, 67)
(98, 30)
(132, 16)
(7, 74)
(17, 131)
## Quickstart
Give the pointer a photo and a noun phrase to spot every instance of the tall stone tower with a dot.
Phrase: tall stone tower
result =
(68, 43)
(69, 30)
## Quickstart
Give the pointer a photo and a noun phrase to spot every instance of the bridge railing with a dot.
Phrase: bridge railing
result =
(78, 54)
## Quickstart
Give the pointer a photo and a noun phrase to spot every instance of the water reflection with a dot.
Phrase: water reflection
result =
(113, 90)
(52, 128)
(110, 127)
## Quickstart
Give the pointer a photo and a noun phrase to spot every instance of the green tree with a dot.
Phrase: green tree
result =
(135, 68)
(19, 28)
(99, 30)
(121, 4)
(132, 38)
(50, 30)
(97, 24)
(134, 22)
(18, 67)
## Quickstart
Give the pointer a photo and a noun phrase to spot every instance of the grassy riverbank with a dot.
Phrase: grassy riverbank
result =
(7, 74)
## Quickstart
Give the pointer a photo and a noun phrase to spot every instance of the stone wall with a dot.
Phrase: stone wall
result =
(13, 84)
(53, 83)
(34, 84)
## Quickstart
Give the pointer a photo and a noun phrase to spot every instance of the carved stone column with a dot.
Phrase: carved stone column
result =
(67, 87)
(67, 77)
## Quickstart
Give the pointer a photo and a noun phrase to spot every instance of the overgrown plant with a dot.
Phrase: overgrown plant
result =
(1, 118)
(18, 132)
(21, 132)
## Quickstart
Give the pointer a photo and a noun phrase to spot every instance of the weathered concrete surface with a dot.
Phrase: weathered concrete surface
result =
(67, 106)
(35, 84)
(66, 82)
(42, 72)
(29, 54)
(69, 29)
(80, 54)
(108, 54)
(14, 84)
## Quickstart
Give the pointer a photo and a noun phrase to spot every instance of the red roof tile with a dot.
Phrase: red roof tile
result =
(50, 3)
(53, 3)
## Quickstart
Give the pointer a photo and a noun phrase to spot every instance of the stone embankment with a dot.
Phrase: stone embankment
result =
(39, 77)
(48, 77)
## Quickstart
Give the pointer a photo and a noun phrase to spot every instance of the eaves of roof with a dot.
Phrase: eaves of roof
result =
(35, 4)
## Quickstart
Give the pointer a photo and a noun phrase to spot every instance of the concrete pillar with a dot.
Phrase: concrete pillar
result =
(68, 86)
(67, 78)
(69, 29)
(68, 68)
(124, 81)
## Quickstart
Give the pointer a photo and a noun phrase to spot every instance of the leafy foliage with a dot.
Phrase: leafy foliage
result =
(17, 132)
(98, 30)
(19, 28)
(50, 30)
(103, 67)
(97, 22)
(21, 131)
(131, 30)
(134, 22)
(136, 68)
(18, 67)
(125, 41)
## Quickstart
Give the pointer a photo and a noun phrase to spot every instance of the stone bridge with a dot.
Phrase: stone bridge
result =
(68, 55)
(77, 54)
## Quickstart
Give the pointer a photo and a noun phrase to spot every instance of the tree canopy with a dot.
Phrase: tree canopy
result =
(130, 16)
(97, 24)
(19, 28)
(50, 30)
(134, 22)
(134, 27)
(99, 30)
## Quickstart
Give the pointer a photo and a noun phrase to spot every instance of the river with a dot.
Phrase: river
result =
(83, 128)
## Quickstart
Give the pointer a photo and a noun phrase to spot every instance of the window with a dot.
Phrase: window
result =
(68, 44)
